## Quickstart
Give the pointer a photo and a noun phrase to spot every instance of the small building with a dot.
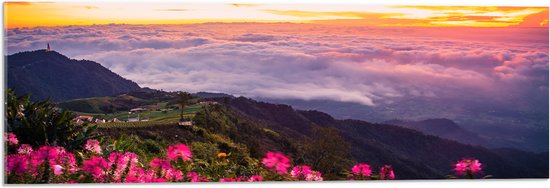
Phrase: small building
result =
(208, 102)
(85, 118)
(185, 123)
(133, 110)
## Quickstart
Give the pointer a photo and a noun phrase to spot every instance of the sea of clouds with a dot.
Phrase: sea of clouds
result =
(363, 65)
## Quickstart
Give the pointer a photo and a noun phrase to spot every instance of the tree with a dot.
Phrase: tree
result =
(327, 151)
(41, 123)
(183, 98)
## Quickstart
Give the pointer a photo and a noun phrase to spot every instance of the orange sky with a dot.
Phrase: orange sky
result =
(64, 13)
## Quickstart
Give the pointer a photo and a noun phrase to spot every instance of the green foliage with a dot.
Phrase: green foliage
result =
(182, 99)
(40, 123)
(328, 152)
(203, 150)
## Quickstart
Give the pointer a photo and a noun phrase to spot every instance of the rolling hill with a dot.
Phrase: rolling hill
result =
(50, 74)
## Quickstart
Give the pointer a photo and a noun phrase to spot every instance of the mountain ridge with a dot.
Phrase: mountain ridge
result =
(413, 153)
(442, 127)
(46, 74)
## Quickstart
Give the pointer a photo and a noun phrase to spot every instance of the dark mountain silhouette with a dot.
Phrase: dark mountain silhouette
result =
(444, 128)
(413, 154)
(211, 95)
(499, 124)
(46, 74)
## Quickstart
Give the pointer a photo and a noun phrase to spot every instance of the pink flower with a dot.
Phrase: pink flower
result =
(57, 169)
(178, 150)
(24, 149)
(386, 172)
(159, 180)
(255, 178)
(66, 161)
(305, 173)
(17, 163)
(136, 175)
(173, 174)
(97, 167)
(159, 163)
(300, 171)
(195, 177)
(227, 180)
(120, 162)
(11, 138)
(361, 169)
(276, 161)
(71, 182)
(314, 176)
(468, 166)
(43, 154)
(93, 146)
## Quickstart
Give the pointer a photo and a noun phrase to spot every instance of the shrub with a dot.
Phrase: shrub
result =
(40, 123)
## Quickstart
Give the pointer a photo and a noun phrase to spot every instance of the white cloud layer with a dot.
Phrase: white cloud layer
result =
(296, 61)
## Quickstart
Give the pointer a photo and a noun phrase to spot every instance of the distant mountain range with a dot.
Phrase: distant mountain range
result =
(50, 74)
(444, 128)
(499, 125)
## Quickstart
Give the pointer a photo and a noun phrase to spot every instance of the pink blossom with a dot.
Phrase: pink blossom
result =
(468, 166)
(97, 167)
(57, 169)
(136, 175)
(158, 180)
(277, 161)
(178, 150)
(67, 161)
(120, 162)
(11, 138)
(227, 180)
(45, 153)
(314, 176)
(17, 163)
(255, 178)
(42, 155)
(173, 174)
(24, 149)
(361, 169)
(93, 146)
(386, 172)
(160, 163)
(195, 177)
(300, 171)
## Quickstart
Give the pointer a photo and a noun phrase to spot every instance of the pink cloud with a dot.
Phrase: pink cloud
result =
(350, 64)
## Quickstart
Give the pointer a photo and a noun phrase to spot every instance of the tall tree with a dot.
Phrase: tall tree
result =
(183, 98)
(328, 152)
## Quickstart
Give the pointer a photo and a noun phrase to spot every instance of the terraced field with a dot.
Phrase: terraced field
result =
(155, 117)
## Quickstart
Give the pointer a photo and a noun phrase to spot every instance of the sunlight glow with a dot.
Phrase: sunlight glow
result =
(24, 14)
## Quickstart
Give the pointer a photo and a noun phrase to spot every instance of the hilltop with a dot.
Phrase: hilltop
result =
(46, 74)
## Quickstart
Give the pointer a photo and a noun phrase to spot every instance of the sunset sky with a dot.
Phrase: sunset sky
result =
(466, 60)
(25, 14)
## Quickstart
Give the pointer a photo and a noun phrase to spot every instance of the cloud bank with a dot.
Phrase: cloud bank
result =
(362, 65)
